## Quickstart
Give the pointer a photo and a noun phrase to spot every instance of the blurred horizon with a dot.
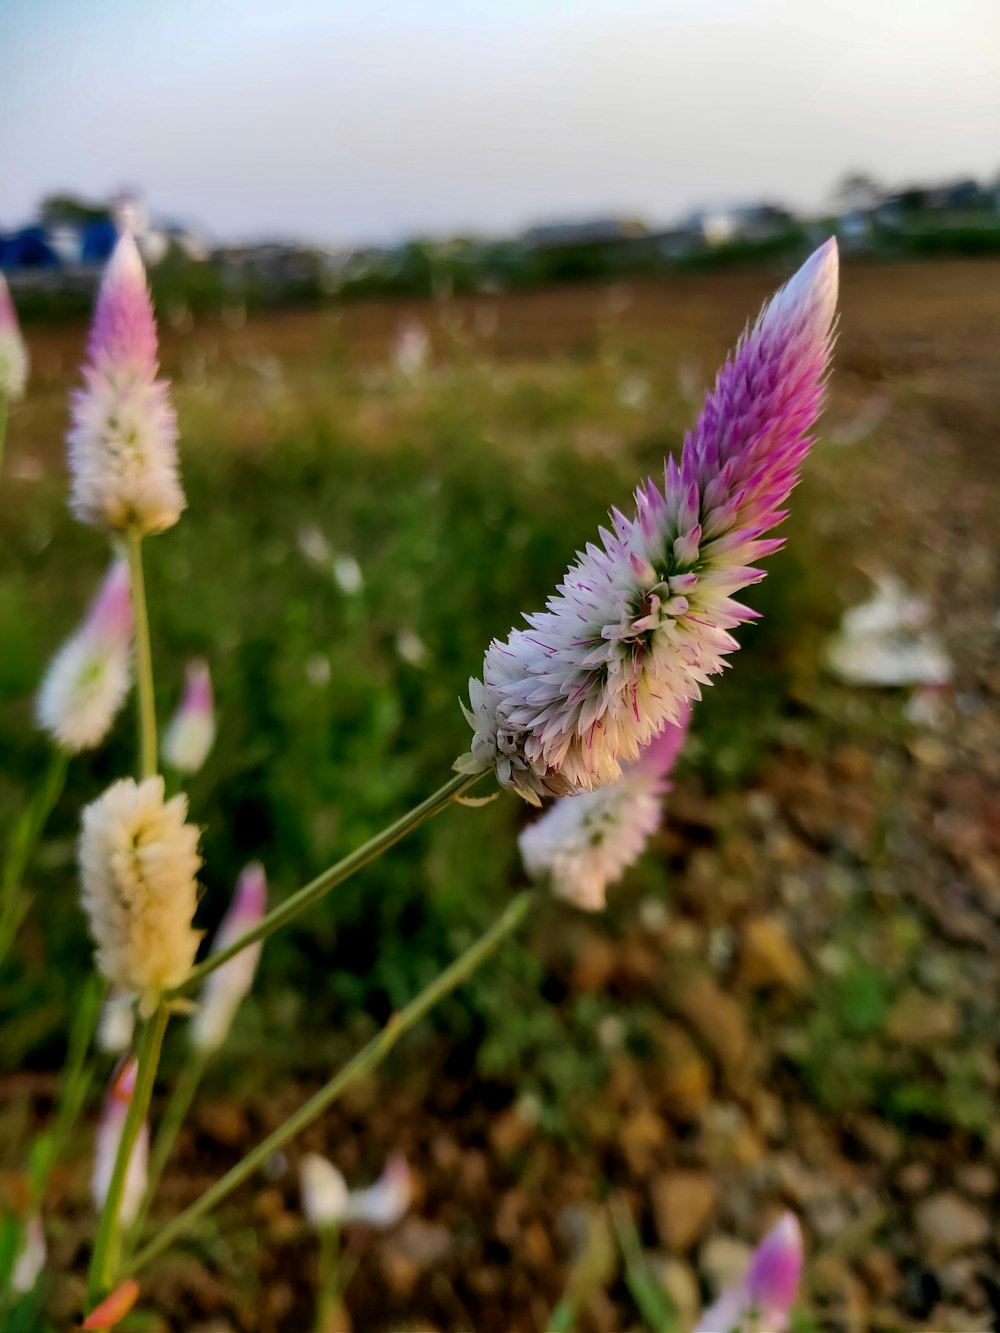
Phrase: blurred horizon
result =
(331, 125)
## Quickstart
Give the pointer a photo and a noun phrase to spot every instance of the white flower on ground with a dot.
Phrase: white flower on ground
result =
(585, 843)
(13, 353)
(887, 641)
(31, 1258)
(138, 862)
(326, 1199)
(123, 439)
(191, 733)
(640, 623)
(324, 1191)
(227, 985)
(109, 1133)
(90, 675)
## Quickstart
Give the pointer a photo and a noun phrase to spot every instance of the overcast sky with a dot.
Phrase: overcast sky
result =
(379, 118)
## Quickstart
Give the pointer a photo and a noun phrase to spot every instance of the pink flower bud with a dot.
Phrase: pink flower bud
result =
(227, 985)
(89, 677)
(763, 1300)
(109, 1133)
(191, 732)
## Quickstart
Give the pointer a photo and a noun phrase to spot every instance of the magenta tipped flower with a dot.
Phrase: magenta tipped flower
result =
(585, 843)
(761, 1303)
(123, 440)
(109, 1133)
(228, 984)
(13, 353)
(89, 677)
(191, 733)
(641, 622)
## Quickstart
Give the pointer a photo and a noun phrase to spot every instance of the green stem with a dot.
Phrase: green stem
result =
(323, 883)
(328, 1283)
(3, 425)
(143, 660)
(166, 1135)
(103, 1259)
(367, 1059)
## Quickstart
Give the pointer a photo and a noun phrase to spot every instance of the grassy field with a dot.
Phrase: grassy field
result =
(354, 538)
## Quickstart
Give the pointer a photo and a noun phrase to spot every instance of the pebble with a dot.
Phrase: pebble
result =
(949, 1224)
(768, 958)
(683, 1204)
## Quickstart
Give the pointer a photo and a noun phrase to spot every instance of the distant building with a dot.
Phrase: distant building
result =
(597, 231)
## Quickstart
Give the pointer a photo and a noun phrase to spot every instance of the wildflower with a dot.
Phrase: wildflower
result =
(762, 1301)
(227, 985)
(384, 1203)
(117, 1023)
(109, 1133)
(123, 440)
(586, 842)
(138, 861)
(191, 732)
(30, 1259)
(13, 353)
(324, 1191)
(89, 677)
(640, 623)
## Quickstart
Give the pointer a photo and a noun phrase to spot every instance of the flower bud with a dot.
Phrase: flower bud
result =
(109, 1133)
(324, 1191)
(226, 986)
(89, 677)
(13, 353)
(191, 732)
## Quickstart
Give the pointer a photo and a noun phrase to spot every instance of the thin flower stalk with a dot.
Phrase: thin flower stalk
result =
(21, 847)
(336, 874)
(146, 694)
(642, 622)
(368, 1059)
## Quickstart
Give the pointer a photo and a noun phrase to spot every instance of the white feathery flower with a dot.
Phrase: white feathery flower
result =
(89, 677)
(191, 733)
(31, 1258)
(228, 984)
(640, 623)
(324, 1191)
(13, 353)
(585, 843)
(109, 1133)
(138, 862)
(123, 440)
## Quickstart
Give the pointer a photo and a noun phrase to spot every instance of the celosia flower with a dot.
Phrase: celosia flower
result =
(191, 732)
(123, 440)
(117, 1024)
(587, 842)
(640, 623)
(31, 1257)
(13, 353)
(138, 861)
(109, 1133)
(324, 1191)
(762, 1301)
(89, 677)
(384, 1203)
(227, 985)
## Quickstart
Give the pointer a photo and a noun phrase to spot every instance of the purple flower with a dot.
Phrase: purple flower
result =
(762, 1301)
(123, 439)
(585, 843)
(642, 621)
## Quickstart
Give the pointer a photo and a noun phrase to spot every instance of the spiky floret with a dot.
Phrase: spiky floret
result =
(138, 862)
(642, 621)
(585, 843)
(89, 677)
(123, 438)
(13, 353)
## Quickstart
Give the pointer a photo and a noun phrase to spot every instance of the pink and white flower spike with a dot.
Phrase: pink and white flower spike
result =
(13, 353)
(191, 733)
(225, 987)
(641, 622)
(761, 1303)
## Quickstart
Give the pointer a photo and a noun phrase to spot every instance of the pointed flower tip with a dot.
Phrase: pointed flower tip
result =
(812, 289)
(776, 1267)
(113, 1310)
(124, 330)
(198, 687)
(191, 733)
(250, 898)
(123, 1083)
(13, 353)
(111, 612)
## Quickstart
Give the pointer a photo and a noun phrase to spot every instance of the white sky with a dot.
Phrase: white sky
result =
(368, 121)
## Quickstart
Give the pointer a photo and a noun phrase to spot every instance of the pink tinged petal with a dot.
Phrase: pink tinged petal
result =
(727, 1314)
(776, 1268)
(226, 987)
(384, 1203)
(191, 733)
(124, 330)
(110, 616)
